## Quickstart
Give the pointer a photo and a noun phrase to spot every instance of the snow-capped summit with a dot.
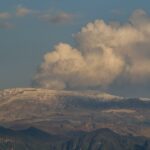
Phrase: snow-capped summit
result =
(37, 92)
(69, 110)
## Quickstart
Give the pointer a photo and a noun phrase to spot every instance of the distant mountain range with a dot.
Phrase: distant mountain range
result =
(103, 139)
(72, 111)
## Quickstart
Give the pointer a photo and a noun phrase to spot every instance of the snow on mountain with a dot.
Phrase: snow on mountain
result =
(70, 110)
(32, 104)
(27, 103)
(144, 99)
(43, 94)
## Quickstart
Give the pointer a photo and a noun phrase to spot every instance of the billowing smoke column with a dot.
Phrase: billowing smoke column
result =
(104, 53)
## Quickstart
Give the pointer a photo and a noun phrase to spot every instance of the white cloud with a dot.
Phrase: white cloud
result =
(5, 15)
(103, 53)
(44, 16)
(6, 25)
(4, 20)
(23, 11)
(61, 17)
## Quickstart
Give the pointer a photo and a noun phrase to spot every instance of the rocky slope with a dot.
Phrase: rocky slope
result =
(65, 111)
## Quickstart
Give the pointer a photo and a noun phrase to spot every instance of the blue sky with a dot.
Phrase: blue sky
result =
(26, 37)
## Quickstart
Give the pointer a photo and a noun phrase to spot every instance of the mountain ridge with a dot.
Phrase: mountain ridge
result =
(101, 139)
(64, 111)
(16, 91)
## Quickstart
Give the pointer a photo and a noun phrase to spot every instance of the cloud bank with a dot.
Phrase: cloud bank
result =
(104, 53)
(46, 16)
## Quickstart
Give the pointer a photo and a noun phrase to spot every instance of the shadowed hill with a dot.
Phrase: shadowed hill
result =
(102, 139)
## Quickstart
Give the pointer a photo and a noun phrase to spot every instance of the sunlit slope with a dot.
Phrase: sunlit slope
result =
(62, 111)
